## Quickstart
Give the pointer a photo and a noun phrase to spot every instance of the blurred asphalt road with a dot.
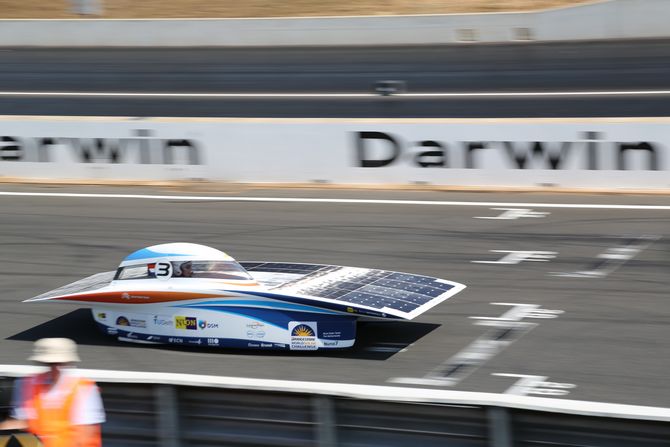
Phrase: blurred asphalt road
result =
(517, 67)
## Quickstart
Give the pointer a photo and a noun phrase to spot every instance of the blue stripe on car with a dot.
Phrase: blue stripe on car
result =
(145, 253)
(271, 304)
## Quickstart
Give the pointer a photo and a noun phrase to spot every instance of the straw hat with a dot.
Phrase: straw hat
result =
(54, 350)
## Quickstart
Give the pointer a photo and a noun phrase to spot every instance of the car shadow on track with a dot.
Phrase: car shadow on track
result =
(374, 340)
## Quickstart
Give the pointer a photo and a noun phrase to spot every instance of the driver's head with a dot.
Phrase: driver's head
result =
(186, 269)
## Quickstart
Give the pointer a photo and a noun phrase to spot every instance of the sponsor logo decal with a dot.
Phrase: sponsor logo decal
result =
(127, 296)
(330, 343)
(254, 345)
(112, 331)
(213, 341)
(175, 340)
(302, 330)
(204, 324)
(162, 321)
(255, 330)
(122, 321)
(332, 334)
(256, 334)
(190, 323)
(303, 335)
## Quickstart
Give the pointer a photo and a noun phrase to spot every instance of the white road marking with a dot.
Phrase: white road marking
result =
(515, 257)
(342, 201)
(515, 314)
(185, 95)
(506, 329)
(514, 213)
(519, 94)
(537, 385)
(613, 258)
(421, 381)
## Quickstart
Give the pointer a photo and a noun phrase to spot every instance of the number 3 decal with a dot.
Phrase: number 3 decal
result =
(163, 270)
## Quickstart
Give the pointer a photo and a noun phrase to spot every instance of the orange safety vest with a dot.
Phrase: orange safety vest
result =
(52, 424)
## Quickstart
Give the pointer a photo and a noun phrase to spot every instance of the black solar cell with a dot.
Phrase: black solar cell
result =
(347, 285)
(400, 295)
(411, 287)
(414, 279)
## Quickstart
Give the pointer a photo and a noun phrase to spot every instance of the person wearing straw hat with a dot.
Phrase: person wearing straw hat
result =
(59, 406)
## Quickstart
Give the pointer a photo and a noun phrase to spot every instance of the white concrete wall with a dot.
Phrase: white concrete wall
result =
(608, 153)
(613, 19)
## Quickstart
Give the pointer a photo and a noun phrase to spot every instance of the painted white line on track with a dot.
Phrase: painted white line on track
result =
(538, 385)
(188, 95)
(506, 329)
(543, 94)
(339, 201)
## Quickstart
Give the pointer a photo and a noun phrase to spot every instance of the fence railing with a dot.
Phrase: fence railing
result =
(173, 410)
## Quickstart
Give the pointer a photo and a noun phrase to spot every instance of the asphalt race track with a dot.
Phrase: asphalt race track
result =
(584, 290)
(635, 75)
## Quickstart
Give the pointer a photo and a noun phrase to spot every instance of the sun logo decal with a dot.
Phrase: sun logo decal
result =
(302, 330)
(122, 321)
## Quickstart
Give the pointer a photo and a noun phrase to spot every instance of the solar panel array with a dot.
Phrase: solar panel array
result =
(368, 287)
(281, 267)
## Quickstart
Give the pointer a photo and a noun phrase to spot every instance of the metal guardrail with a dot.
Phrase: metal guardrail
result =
(194, 417)
(175, 410)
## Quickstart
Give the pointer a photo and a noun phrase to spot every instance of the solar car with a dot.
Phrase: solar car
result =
(191, 294)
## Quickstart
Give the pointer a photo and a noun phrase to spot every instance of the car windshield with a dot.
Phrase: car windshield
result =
(133, 272)
(229, 270)
(209, 269)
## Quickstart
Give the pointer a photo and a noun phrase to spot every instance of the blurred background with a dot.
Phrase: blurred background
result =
(125, 9)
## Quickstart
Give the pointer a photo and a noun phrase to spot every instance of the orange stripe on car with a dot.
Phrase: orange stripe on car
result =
(142, 297)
